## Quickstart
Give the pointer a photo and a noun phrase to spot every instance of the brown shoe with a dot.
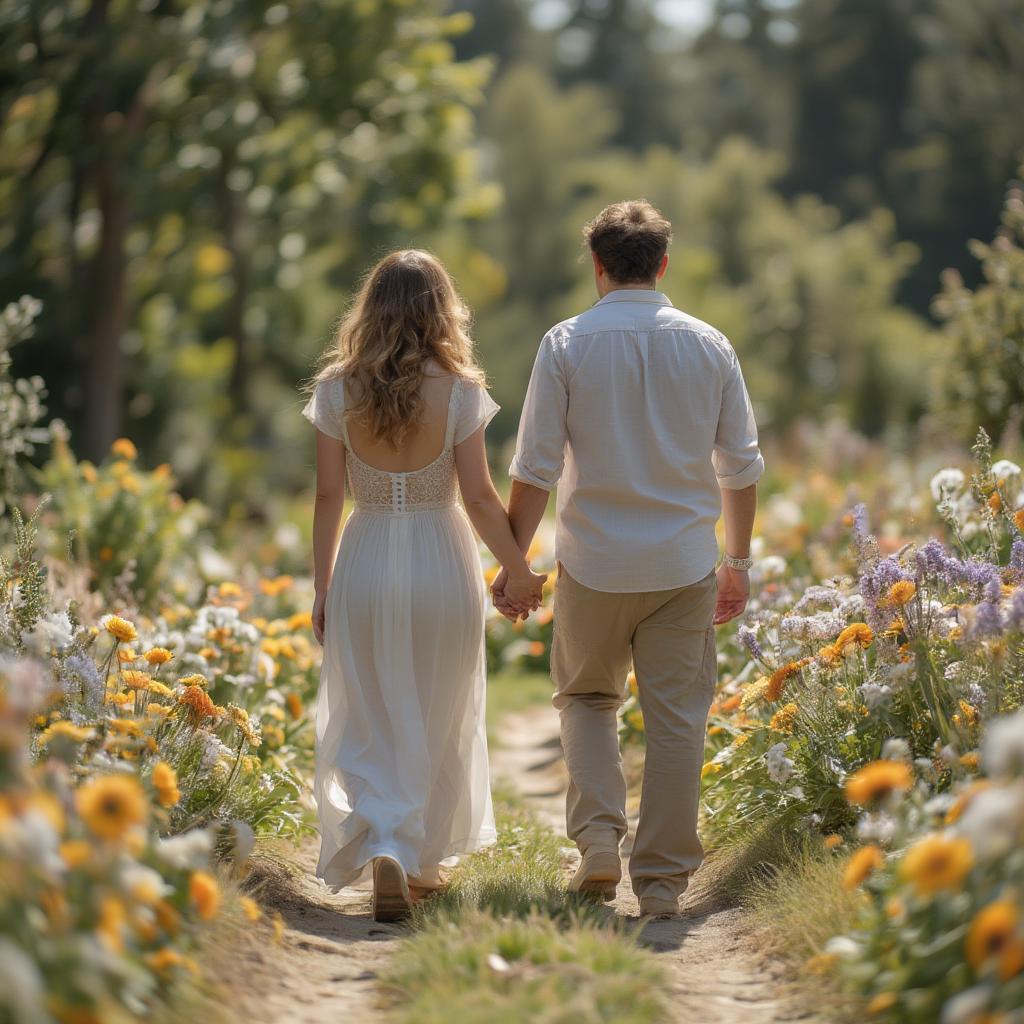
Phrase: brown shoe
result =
(391, 899)
(598, 875)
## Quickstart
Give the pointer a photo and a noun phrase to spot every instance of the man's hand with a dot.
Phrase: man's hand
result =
(733, 592)
(516, 601)
(319, 613)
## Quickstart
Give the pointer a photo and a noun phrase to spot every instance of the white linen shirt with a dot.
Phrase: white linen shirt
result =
(639, 413)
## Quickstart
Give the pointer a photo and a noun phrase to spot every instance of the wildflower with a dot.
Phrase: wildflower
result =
(862, 864)
(993, 820)
(780, 767)
(1004, 469)
(136, 680)
(164, 960)
(947, 483)
(899, 594)
(165, 782)
(1018, 519)
(120, 629)
(124, 449)
(937, 862)
(110, 927)
(111, 805)
(198, 702)
(250, 908)
(144, 885)
(187, 850)
(158, 655)
(124, 726)
(160, 689)
(247, 726)
(64, 730)
(992, 936)
(858, 633)
(748, 638)
(832, 842)
(1003, 747)
(294, 704)
(204, 893)
(878, 780)
(784, 719)
(821, 963)
(777, 680)
(882, 1002)
(994, 503)
(75, 852)
(274, 735)
(196, 679)
(710, 768)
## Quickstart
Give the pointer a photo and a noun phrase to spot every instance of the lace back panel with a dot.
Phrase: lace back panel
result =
(432, 487)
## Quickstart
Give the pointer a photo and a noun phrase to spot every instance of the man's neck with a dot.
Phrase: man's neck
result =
(614, 286)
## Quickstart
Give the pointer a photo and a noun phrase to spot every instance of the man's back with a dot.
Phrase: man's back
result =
(641, 412)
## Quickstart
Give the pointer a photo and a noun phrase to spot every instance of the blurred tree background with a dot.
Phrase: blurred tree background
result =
(193, 187)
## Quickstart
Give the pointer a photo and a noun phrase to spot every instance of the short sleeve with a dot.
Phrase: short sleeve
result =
(475, 409)
(325, 410)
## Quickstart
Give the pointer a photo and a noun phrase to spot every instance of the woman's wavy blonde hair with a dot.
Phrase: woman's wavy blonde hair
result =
(406, 314)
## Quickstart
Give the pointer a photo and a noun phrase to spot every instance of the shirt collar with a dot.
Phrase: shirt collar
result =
(635, 295)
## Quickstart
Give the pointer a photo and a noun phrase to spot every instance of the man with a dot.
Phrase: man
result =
(639, 414)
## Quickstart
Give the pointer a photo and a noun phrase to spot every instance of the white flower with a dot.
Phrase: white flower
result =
(896, 749)
(1003, 747)
(780, 767)
(143, 883)
(243, 841)
(947, 483)
(51, 631)
(842, 946)
(1004, 469)
(876, 827)
(213, 750)
(994, 821)
(190, 850)
(771, 566)
(875, 695)
(967, 1006)
(22, 985)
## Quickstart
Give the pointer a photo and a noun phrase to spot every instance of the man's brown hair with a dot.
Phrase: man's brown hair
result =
(629, 238)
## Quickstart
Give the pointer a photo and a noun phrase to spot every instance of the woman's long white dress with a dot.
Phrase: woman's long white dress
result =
(401, 762)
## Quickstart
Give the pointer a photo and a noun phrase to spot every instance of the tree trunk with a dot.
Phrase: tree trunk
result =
(104, 373)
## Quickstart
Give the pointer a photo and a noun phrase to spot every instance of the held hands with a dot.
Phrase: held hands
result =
(733, 592)
(516, 596)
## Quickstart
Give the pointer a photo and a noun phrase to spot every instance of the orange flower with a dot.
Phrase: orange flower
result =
(1018, 519)
(937, 862)
(124, 449)
(995, 503)
(165, 782)
(833, 841)
(900, 593)
(111, 805)
(198, 702)
(877, 780)
(865, 861)
(777, 680)
(858, 633)
(136, 680)
(158, 655)
(294, 704)
(993, 936)
(204, 893)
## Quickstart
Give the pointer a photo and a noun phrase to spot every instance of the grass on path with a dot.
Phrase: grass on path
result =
(514, 690)
(506, 943)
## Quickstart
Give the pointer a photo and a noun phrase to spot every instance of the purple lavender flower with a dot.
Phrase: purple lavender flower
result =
(749, 639)
(875, 584)
(1017, 556)
(1015, 613)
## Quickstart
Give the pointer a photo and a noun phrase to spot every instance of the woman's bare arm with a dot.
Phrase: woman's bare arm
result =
(327, 517)
(488, 516)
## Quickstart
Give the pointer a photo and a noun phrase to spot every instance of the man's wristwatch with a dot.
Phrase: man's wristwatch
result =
(739, 564)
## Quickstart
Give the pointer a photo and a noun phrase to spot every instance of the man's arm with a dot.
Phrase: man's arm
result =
(738, 510)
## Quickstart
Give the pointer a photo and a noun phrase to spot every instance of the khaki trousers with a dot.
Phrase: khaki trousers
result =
(669, 637)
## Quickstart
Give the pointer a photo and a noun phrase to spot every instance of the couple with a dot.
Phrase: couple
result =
(638, 413)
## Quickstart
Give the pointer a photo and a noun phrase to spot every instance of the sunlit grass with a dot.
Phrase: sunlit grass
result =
(511, 691)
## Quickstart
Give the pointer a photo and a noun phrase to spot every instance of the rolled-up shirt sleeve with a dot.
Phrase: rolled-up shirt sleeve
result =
(540, 446)
(736, 457)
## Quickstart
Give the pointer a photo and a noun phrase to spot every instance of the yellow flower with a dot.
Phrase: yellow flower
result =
(882, 1002)
(992, 937)
(937, 862)
(833, 841)
(158, 655)
(1018, 519)
(121, 629)
(62, 730)
(965, 797)
(160, 689)
(865, 861)
(164, 960)
(250, 908)
(858, 633)
(194, 680)
(88, 471)
(75, 852)
(136, 680)
(125, 726)
(822, 963)
(752, 693)
(877, 780)
(971, 761)
(204, 893)
(899, 594)
(710, 769)
(785, 718)
(278, 585)
(995, 503)
(244, 725)
(112, 805)
(230, 589)
(124, 449)
(125, 655)
(165, 782)
(110, 928)
(969, 712)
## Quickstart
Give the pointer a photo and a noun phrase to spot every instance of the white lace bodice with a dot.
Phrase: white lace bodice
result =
(432, 487)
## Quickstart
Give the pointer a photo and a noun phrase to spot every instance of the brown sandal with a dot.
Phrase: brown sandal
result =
(391, 899)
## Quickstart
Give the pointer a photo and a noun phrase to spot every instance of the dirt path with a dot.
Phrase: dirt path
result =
(324, 969)
(717, 975)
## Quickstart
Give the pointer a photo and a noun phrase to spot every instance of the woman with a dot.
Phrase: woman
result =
(399, 404)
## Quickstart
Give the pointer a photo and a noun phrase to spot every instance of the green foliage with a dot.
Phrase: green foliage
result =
(980, 378)
(24, 598)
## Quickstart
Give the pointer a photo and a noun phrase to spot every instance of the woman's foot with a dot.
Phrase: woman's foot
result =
(392, 901)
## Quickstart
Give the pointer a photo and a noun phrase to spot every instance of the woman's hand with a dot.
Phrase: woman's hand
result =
(319, 615)
(523, 592)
